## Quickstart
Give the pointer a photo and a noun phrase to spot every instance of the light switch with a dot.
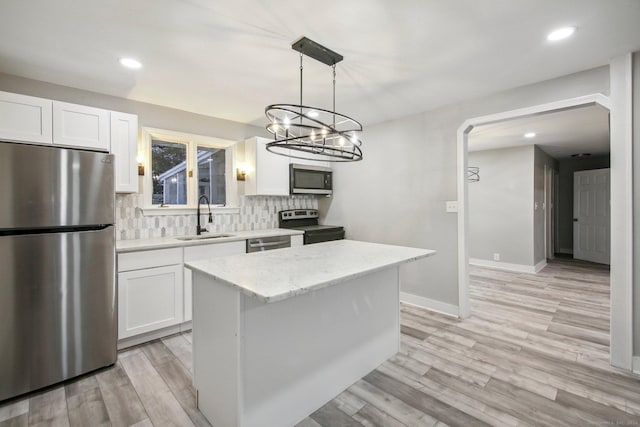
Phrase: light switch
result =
(452, 206)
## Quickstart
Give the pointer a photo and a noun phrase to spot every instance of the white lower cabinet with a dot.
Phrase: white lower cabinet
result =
(149, 299)
(202, 252)
(297, 240)
(154, 289)
(150, 292)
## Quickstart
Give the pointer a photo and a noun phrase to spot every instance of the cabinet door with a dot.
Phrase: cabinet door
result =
(194, 253)
(80, 126)
(149, 299)
(297, 240)
(25, 118)
(124, 145)
(269, 173)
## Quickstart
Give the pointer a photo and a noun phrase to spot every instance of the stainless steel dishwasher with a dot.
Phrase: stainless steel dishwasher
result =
(268, 243)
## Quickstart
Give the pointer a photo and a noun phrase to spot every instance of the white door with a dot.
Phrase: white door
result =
(591, 216)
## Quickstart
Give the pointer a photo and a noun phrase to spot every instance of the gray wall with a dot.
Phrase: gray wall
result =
(564, 201)
(149, 115)
(542, 161)
(501, 205)
(397, 193)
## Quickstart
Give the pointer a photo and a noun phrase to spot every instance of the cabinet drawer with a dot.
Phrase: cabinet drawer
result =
(146, 259)
(193, 253)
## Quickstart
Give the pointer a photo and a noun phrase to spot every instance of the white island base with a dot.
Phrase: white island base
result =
(259, 363)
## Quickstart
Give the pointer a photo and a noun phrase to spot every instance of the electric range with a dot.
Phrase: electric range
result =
(307, 220)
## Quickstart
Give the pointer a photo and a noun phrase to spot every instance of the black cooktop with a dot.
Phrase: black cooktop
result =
(307, 220)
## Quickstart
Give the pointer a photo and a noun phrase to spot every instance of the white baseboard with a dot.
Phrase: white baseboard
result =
(429, 304)
(521, 268)
(153, 335)
(636, 365)
(568, 251)
(539, 266)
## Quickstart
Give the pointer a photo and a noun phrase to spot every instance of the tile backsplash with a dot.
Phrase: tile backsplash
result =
(256, 213)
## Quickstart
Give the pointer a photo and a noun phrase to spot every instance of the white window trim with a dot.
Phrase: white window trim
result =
(192, 141)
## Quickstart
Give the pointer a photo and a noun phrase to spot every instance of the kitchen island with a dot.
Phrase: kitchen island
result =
(278, 334)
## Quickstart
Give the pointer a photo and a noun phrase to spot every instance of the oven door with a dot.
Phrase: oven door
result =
(322, 236)
(308, 179)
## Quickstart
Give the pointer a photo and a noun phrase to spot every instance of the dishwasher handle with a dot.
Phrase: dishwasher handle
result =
(267, 244)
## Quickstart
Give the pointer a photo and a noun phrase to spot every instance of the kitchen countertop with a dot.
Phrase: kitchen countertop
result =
(272, 276)
(123, 246)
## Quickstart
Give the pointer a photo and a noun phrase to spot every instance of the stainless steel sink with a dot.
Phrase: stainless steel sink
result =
(203, 237)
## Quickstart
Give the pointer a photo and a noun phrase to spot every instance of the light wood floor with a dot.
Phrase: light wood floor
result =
(534, 352)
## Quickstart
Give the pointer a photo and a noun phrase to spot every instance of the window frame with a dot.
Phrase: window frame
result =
(192, 142)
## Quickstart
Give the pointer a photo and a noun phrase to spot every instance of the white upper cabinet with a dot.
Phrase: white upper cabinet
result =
(268, 173)
(310, 162)
(124, 145)
(80, 126)
(25, 118)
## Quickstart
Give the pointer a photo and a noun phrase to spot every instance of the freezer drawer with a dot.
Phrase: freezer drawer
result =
(57, 307)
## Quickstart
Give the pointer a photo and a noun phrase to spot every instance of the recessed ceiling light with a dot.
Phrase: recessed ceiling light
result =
(130, 63)
(530, 135)
(561, 33)
(312, 113)
(581, 155)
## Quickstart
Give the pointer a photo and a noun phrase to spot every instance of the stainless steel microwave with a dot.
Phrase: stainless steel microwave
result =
(310, 179)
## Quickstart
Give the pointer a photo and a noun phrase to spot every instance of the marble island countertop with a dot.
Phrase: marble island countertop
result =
(277, 275)
(123, 246)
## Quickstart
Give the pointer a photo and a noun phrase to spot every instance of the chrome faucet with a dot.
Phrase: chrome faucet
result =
(200, 230)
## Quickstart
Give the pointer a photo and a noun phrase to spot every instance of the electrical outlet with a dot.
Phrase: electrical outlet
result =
(452, 206)
(496, 257)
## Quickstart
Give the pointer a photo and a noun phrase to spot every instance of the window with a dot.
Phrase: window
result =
(211, 174)
(169, 173)
(183, 167)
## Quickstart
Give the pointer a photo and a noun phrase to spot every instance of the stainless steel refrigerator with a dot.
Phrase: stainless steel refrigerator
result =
(58, 315)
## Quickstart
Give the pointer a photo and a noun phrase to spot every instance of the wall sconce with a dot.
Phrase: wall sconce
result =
(140, 161)
(241, 173)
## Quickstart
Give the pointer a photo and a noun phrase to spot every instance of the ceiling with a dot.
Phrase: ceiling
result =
(560, 134)
(231, 58)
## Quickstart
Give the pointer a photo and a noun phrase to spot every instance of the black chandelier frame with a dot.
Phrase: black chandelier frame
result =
(311, 133)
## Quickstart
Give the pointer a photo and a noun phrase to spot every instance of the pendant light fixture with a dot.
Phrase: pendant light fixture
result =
(312, 133)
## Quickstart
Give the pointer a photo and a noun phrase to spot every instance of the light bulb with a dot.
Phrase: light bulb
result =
(312, 113)
(341, 141)
(130, 63)
(286, 122)
(324, 131)
(312, 136)
(561, 33)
